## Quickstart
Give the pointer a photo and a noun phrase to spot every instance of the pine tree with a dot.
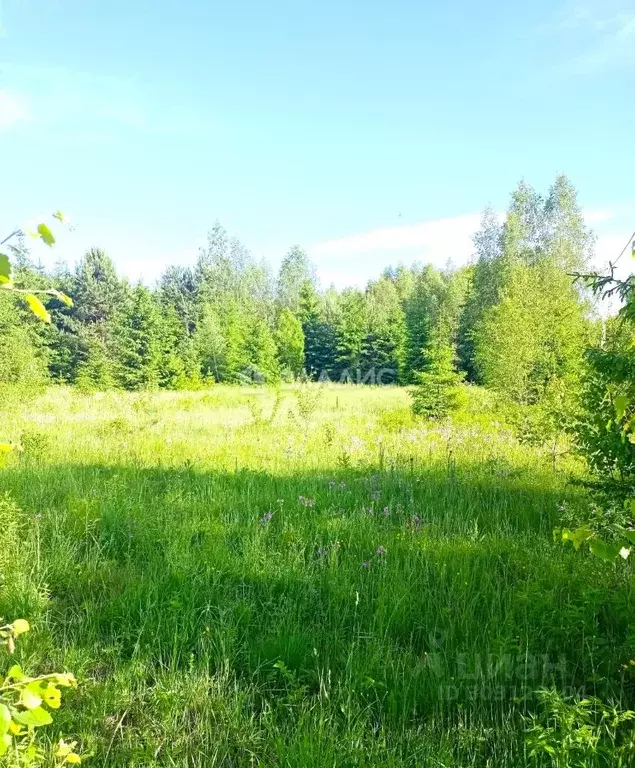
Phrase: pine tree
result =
(384, 343)
(137, 336)
(95, 370)
(23, 359)
(437, 392)
(422, 310)
(320, 338)
(351, 332)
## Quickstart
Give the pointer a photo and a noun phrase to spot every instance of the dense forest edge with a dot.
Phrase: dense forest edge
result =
(512, 320)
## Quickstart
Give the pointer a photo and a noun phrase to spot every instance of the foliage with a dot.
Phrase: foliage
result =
(137, 336)
(576, 733)
(289, 340)
(606, 428)
(608, 402)
(437, 392)
(514, 317)
(526, 323)
(26, 704)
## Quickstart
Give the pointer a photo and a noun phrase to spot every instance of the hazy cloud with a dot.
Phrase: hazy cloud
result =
(12, 109)
(603, 33)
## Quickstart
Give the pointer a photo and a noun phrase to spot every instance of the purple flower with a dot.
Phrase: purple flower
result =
(266, 518)
(381, 551)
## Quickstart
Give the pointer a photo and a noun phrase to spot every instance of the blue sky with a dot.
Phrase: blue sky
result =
(368, 132)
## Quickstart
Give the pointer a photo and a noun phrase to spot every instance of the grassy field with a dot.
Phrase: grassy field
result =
(239, 578)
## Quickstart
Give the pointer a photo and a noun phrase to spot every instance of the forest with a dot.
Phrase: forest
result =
(512, 320)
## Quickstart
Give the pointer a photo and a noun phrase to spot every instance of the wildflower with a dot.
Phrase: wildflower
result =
(386, 512)
(342, 485)
(366, 564)
(375, 495)
(381, 551)
(306, 502)
(322, 551)
(266, 518)
(332, 484)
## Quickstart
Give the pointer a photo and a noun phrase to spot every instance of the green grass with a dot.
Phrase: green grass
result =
(211, 566)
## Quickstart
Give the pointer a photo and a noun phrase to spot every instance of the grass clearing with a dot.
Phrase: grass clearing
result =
(313, 578)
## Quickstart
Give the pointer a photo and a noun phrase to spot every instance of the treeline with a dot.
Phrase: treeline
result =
(513, 320)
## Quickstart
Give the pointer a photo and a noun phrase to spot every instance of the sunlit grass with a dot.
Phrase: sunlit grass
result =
(239, 578)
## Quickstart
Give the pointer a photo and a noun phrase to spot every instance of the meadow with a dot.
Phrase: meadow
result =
(307, 576)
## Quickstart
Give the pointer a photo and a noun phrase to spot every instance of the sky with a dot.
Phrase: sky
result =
(370, 133)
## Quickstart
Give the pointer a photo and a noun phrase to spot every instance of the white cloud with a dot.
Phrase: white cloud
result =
(608, 249)
(354, 259)
(598, 216)
(12, 109)
(447, 235)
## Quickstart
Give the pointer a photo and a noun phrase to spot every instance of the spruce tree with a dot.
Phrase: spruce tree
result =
(137, 333)
(437, 392)
(320, 338)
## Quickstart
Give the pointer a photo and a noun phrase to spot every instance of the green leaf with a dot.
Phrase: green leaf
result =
(5, 719)
(37, 307)
(630, 535)
(45, 233)
(20, 626)
(52, 696)
(580, 535)
(31, 697)
(620, 403)
(5, 269)
(59, 216)
(62, 297)
(35, 717)
(15, 673)
(604, 550)
(5, 743)
(66, 679)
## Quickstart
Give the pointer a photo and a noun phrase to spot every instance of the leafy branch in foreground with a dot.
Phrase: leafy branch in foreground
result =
(42, 232)
(26, 703)
(606, 434)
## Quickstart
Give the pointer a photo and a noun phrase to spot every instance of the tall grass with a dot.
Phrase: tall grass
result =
(244, 579)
